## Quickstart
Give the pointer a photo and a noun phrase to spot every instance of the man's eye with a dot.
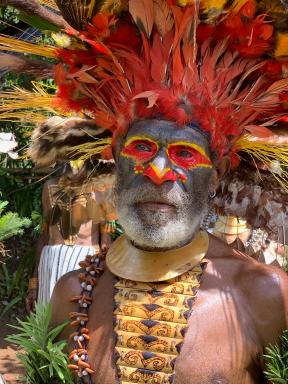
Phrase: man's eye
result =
(143, 147)
(185, 154)
(140, 150)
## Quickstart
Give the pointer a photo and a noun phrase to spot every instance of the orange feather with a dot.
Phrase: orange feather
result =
(142, 12)
(163, 17)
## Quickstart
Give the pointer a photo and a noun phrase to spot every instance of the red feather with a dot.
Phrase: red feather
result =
(258, 131)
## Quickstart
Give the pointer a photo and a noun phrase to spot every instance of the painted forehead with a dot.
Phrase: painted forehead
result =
(168, 132)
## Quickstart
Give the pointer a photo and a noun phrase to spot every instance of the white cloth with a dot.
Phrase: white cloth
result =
(55, 261)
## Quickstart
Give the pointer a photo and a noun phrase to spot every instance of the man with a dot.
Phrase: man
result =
(182, 88)
(226, 333)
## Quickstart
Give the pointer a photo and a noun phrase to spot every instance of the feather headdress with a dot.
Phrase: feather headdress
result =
(220, 64)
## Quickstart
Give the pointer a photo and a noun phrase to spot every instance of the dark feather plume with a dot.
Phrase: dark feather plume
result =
(78, 13)
(36, 68)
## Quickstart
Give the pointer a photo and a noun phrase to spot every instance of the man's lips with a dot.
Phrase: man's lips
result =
(156, 206)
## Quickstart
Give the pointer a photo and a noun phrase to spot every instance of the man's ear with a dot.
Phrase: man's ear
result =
(219, 171)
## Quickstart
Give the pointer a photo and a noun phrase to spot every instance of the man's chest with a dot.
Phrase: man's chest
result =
(219, 345)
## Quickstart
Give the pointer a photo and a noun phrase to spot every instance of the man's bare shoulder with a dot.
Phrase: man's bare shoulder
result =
(263, 287)
(270, 283)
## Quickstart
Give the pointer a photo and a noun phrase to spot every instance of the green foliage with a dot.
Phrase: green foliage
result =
(8, 16)
(22, 191)
(24, 195)
(43, 357)
(276, 359)
(37, 22)
(14, 285)
(3, 205)
(11, 224)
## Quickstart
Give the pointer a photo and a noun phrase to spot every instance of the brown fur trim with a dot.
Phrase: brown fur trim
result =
(53, 140)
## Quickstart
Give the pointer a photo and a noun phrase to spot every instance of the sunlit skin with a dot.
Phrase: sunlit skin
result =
(241, 305)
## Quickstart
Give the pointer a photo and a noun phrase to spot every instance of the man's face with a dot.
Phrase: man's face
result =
(163, 176)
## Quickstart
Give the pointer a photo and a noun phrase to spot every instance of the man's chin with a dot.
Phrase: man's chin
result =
(154, 231)
(158, 237)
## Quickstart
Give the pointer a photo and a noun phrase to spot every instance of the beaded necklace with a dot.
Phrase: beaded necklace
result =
(88, 279)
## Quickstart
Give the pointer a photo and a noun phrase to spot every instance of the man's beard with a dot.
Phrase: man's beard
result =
(159, 229)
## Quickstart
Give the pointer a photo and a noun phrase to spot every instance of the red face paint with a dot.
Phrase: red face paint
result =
(188, 156)
(158, 177)
(141, 150)
(184, 155)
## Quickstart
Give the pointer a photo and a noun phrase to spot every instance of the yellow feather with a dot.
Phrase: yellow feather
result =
(183, 3)
(238, 4)
(21, 104)
(87, 150)
(281, 45)
(24, 117)
(268, 154)
(14, 45)
(91, 9)
(49, 3)
(212, 5)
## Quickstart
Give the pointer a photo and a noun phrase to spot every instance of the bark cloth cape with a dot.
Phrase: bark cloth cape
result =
(220, 64)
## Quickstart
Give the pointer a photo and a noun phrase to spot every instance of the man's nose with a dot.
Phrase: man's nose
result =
(159, 171)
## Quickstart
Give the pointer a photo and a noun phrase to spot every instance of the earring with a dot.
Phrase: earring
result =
(212, 194)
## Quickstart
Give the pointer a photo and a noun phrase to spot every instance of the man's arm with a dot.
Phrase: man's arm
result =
(66, 287)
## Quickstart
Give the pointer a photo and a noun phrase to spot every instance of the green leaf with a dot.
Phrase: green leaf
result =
(57, 330)
(11, 225)
(10, 305)
(276, 359)
(43, 359)
(37, 22)
(3, 205)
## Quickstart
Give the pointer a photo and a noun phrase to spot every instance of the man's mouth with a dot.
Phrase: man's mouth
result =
(156, 206)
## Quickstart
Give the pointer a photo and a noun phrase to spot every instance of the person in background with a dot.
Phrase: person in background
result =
(78, 218)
